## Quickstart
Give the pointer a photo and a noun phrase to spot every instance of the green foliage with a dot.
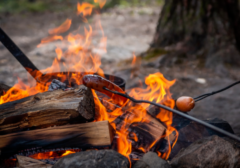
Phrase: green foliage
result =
(130, 3)
(17, 6)
(22, 5)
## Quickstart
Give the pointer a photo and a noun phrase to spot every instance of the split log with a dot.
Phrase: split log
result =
(92, 134)
(47, 109)
(27, 162)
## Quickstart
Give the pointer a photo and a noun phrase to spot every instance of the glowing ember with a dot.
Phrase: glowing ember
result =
(80, 59)
(68, 153)
(52, 155)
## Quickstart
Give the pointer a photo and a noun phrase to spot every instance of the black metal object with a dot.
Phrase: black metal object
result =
(181, 114)
(196, 99)
(68, 78)
(43, 78)
(17, 53)
(117, 80)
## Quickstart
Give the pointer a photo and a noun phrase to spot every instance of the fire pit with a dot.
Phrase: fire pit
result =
(79, 125)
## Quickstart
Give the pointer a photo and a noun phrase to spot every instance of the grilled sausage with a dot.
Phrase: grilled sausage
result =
(97, 83)
(185, 103)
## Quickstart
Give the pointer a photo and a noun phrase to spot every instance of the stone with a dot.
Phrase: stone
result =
(190, 131)
(154, 161)
(140, 164)
(93, 159)
(207, 153)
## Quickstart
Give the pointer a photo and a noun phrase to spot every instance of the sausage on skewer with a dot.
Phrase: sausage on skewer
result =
(98, 83)
(185, 103)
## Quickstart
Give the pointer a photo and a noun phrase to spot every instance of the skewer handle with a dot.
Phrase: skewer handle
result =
(17, 53)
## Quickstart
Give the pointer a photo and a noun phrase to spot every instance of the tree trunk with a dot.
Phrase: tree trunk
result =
(208, 26)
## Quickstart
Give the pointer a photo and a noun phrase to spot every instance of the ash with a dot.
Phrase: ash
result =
(56, 84)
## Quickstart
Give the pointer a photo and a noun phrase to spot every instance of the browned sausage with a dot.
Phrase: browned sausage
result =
(97, 83)
(185, 103)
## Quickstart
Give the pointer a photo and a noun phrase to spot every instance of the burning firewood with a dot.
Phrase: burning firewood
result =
(92, 134)
(27, 162)
(47, 109)
(146, 132)
(3, 88)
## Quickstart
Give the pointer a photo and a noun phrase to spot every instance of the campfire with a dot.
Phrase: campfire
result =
(56, 114)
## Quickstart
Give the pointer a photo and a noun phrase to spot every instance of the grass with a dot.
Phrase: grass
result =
(131, 3)
(16, 6)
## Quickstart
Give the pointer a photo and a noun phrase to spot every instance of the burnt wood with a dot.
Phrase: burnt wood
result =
(85, 135)
(47, 109)
(147, 132)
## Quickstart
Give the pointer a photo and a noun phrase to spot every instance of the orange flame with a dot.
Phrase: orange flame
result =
(134, 59)
(84, 9)
(61, 29)
(51, 155)
(101, 2)
(68, 152)
(157, 90)
(79, 58)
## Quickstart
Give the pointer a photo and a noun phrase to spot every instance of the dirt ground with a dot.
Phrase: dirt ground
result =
(128, 30)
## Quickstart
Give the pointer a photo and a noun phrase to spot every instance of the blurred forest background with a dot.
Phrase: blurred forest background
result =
(16, 6)
(195, 42)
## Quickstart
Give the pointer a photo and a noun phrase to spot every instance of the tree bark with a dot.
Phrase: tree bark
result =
(47, 109)
(193, 25)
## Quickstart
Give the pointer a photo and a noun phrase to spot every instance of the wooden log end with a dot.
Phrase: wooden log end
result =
(27, 162)
(48, 109)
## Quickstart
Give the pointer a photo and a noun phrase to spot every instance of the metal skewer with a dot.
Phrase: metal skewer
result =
(17, 53)
(181, 114)
(212, 93)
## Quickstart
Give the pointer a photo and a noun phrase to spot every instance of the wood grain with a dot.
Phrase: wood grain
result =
(85, 135)
(47, 109)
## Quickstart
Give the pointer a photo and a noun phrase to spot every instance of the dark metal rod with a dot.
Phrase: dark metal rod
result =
(212, 93)
(17, 53)
(181, 114)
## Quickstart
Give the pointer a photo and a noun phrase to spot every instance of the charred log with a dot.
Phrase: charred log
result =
(147, 132)
(86, 135)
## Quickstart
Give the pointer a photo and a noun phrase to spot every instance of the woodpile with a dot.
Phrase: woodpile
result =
(64, 119)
